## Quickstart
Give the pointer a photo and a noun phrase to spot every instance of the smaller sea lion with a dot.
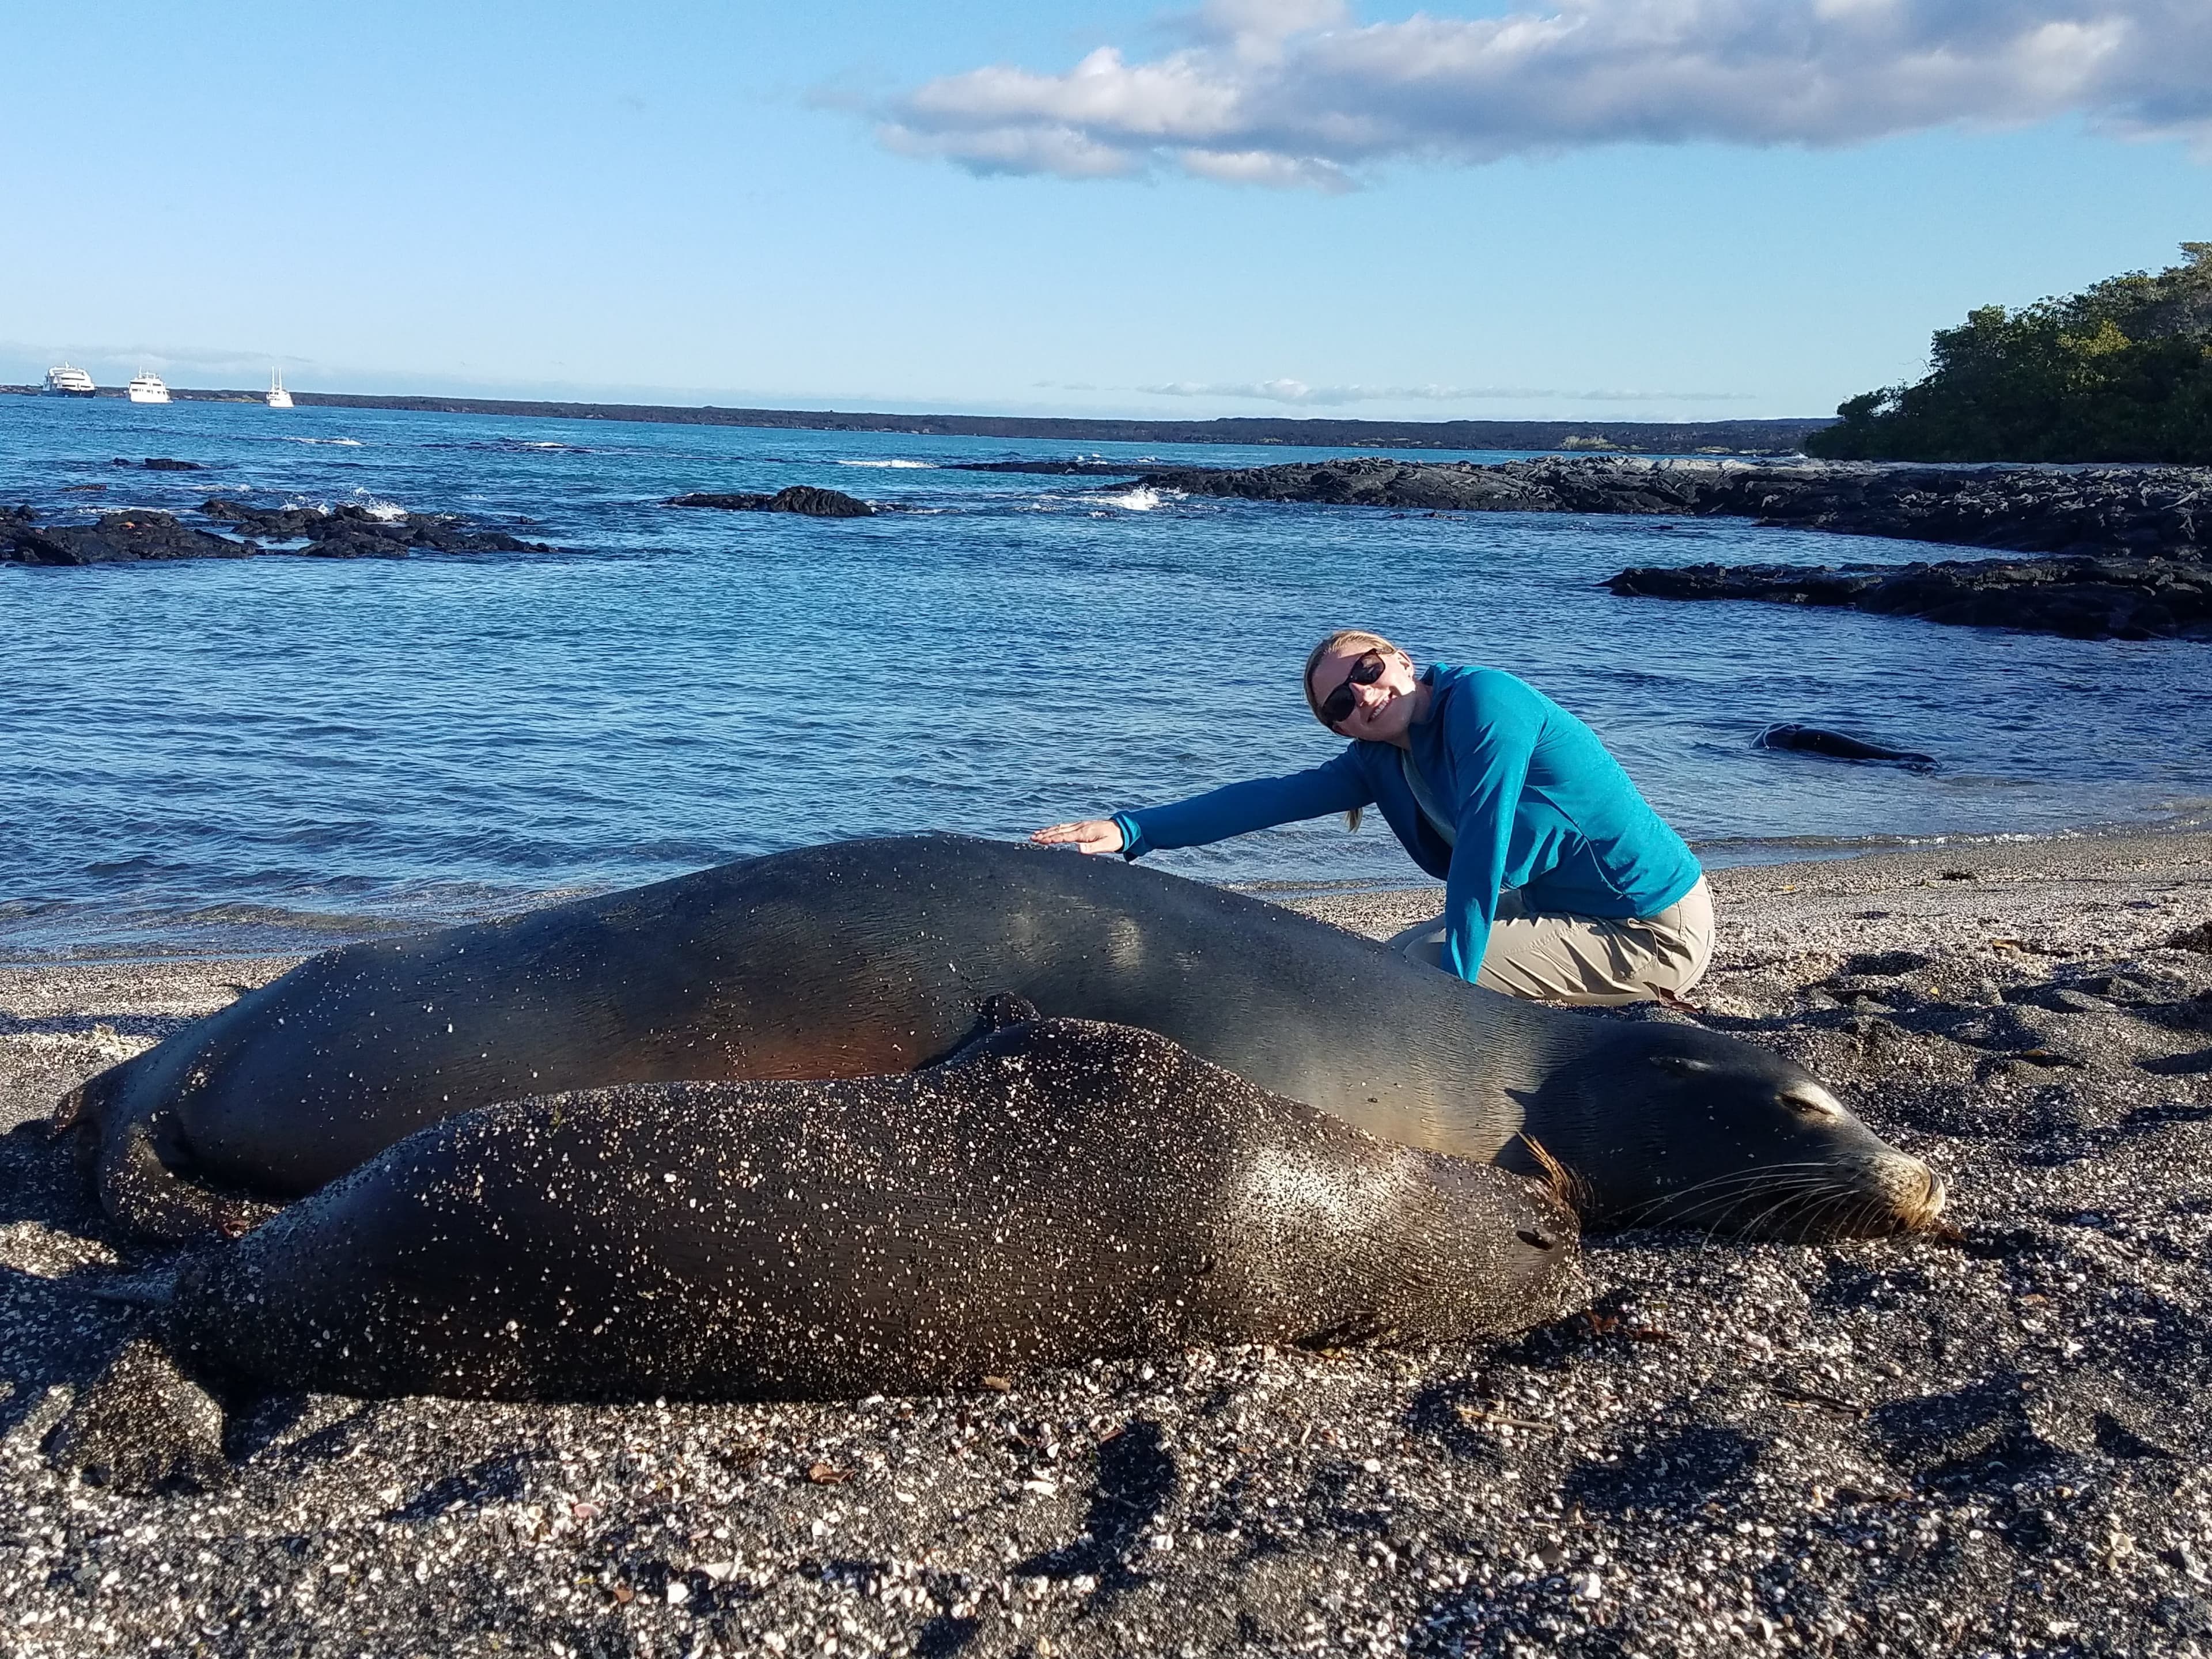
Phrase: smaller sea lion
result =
(1059, 1190)
(1837, 745)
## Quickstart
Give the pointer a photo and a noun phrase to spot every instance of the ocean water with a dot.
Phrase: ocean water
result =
(279, 752)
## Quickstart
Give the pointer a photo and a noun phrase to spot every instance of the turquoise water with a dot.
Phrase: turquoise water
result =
(272, 752)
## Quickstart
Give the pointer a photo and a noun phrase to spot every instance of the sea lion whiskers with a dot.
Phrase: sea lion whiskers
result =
(1796, 1212)
(1724, 1188)
(1832, 1209)
(1804, 1208)
(1803, 1191)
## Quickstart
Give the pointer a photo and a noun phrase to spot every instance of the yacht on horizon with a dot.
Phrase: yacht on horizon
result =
(66, 380)
(278, 398)
(146, 387)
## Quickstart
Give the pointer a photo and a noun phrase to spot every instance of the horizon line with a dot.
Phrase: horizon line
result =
(1138, 428)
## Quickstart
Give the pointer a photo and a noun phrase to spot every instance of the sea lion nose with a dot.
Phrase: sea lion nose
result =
(1933, 1196)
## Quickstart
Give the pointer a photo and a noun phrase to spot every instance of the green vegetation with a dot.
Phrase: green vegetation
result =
(2120, 372)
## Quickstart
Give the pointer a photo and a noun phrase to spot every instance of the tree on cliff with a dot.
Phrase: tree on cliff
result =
(2119, 372)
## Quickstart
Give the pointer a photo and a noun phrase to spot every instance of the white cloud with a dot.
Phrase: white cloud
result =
(1263, 167)
(1298, 392)
(1294, 93)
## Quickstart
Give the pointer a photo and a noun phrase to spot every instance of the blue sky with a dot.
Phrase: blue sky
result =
(1567, 208)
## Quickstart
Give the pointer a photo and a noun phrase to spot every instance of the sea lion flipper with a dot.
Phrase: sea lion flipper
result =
(138, 1187)
(1001, 1011)
(68, 1110)
(86, 1105)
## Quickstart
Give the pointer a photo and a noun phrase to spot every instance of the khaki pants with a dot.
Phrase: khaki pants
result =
(1586, 959)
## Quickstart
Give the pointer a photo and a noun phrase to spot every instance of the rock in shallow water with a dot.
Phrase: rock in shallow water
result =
(343, 532)
(2083, 599)
(353, 532)
(807, 499)
(117, 538)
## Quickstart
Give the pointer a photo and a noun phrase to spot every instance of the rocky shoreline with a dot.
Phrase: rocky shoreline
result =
(1986, 1441)
(2103, 511)
(2119, 552)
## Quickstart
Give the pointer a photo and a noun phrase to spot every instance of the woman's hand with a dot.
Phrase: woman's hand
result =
(1090, 835)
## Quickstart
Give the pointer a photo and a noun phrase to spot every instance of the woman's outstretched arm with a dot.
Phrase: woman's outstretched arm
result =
(1336, 785)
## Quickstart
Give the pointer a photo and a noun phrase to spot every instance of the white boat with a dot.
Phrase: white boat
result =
(146, 387)
(278, 398)
(65, 381)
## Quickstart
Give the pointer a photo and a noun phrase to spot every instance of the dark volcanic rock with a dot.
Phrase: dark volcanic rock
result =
(2110, 511)
(447, 536)
(819, 503)
(1057, 469)
(345, 533)
(1371, 481)
(354, 533)
(727, 503)
(794, 498)
(276, 524)
(118, 536)
(163, 464)
(2083, 597)
(1839, 745)
(356, 542)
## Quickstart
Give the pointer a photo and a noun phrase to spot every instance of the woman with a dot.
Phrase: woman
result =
(1560, 881)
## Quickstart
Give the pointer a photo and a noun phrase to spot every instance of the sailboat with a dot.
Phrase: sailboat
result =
(278, 398)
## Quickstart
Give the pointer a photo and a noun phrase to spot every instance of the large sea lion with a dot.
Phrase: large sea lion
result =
(1059, 1190)
(869, 956)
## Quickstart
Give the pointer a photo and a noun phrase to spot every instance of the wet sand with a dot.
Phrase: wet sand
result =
(1991, 1441)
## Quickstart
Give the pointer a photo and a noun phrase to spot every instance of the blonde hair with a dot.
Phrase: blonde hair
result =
(1337, 641)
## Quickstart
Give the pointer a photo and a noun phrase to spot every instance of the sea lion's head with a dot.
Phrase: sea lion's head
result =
(1676, 1126)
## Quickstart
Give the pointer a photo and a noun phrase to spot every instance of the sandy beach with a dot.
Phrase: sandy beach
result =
(1985, 1442)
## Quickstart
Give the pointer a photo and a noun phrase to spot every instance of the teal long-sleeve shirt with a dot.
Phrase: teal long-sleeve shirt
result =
(1534, 800)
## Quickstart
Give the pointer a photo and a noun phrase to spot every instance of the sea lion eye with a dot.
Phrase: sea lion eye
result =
(1809, 1103)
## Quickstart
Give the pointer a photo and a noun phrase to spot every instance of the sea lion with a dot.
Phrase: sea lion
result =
(1059, 1190)
(867, 957)
(1836, 746)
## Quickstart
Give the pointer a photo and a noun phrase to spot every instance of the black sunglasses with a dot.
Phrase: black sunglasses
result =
(1337, 706)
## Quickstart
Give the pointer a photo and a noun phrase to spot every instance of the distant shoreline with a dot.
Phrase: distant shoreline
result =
(1767, 437)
